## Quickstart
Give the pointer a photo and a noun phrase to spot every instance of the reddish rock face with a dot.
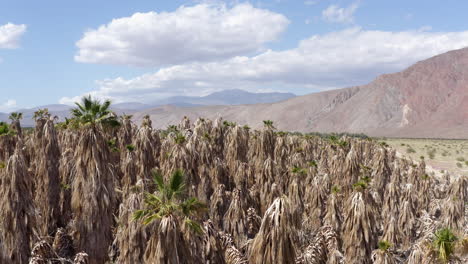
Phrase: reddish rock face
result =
(429, 99)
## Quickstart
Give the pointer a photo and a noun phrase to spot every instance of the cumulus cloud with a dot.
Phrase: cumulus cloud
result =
(8, 106)
(336, 14)
(338, 59)
(204, 32)
(10, 35)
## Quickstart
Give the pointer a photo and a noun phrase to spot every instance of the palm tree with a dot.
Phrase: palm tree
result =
(91, 111)
(170, 202)
(16, 116)
(444, 243)
(268, 124)
(41, 114)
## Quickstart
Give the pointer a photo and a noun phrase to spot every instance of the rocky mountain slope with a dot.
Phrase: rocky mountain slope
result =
(429, 99)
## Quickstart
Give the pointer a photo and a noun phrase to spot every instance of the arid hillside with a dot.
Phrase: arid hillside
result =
(429, 99)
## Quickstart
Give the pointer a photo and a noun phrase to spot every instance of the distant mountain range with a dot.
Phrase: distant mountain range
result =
(226, 97)
(429, 99)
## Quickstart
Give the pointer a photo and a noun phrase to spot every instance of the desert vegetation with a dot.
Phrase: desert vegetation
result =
(441, 154)
(99, 189)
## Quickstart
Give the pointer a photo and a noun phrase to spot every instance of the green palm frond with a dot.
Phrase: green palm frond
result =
(177, 182)
(92, 111)
(192, 206)
(193, 225)
(444, 243)
(158, 179)
(168, 202)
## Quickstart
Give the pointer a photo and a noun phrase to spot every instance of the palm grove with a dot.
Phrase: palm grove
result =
(98, 189)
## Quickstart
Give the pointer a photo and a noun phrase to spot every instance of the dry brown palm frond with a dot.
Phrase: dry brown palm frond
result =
(274, 243)
(359, 228)
(65, 171)
(406, 224)
(381, 172)
(146, 147)
(235, 218)
(131, 236)
(42, 252)
(323, 248)
(350, 171)
(459, 188)
(220, 202)
(130, 171)
(333, 215)
(47, 178)
(453, 214)
(391, 232)
(269, 189)
(16, 212)
(63, 244)
(232, 255)
(213, 246)
(383, 257)
(315, 253)
(314, 202)
(421, 253)
(295, 195)
(170, 246)
(392, 194)
(253, 223)
(93, 196)
(81, 258)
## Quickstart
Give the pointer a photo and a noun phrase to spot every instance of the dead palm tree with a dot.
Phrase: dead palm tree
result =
(275, 241)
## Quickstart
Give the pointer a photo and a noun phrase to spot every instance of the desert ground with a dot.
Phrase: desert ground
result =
(441, 155)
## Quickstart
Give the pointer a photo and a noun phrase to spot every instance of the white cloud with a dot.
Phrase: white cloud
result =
(204, 32)
(8, 106)
(338, 59)
(10, 35)
(336, 14)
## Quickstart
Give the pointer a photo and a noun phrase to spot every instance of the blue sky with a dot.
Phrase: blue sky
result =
(56, 51)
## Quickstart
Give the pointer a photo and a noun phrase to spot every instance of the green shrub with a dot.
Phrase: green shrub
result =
(4, 129)
(459, 165)
(410, 150)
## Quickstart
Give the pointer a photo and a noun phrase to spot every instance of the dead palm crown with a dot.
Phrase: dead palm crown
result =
(126, 194)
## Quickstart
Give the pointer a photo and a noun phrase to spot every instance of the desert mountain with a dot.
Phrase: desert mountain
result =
(227, 97)
(429, 99)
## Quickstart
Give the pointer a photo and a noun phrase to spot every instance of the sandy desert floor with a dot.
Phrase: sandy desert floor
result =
(440, 154)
